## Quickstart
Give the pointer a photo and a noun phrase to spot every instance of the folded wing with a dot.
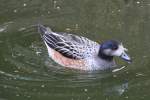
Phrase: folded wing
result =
(71, 46)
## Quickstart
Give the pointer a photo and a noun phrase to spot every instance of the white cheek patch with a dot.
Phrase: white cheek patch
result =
(107, 51)
(119, 51)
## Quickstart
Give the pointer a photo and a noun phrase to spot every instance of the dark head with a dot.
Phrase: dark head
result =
(111, 48)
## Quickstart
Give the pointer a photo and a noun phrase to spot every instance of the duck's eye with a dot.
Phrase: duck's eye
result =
(114, 47)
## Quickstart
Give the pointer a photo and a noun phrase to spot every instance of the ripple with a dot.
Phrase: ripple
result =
(4, 26)
(27, 72)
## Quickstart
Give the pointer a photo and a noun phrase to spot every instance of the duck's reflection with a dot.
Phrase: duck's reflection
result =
(117, 89)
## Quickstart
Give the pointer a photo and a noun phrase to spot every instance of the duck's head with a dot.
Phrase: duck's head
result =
(111, 48)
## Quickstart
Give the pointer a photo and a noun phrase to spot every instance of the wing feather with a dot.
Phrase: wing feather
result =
(72, 46)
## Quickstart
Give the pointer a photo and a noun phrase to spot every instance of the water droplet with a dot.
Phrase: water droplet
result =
(144, 56)
(48, 12)
(17, 95)
(88, 98)
(29, 96)
(139, 74)
(16, 71)
(42, 86)
(68, 29)
(114, 75)
(36, 12)
(138, 2)
(76, 26)
(34, 89)
(55, 1)
(24, 4)
(38, 53)
(85, 90)
(15, 11)
(58, 8)
(55, 4)
(3, 28)
(34, 71)
(126, 97)
(22, 29)
(5, 86)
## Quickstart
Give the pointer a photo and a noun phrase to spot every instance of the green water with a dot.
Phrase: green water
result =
(26, 72)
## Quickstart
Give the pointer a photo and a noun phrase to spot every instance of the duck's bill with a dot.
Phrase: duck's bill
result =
(125, 57)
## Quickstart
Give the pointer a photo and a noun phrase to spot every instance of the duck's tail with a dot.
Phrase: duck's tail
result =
(43, 30)
(49, 37)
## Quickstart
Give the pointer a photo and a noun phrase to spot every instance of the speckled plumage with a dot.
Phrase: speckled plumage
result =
(74, 51)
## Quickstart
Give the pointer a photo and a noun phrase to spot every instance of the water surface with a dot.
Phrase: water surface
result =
(27, 73)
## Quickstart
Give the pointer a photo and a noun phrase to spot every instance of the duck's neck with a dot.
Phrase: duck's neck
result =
(105, 57)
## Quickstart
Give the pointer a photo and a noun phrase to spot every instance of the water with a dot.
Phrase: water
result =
(26, 72)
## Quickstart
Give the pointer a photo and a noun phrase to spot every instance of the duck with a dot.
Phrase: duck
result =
(78, 52)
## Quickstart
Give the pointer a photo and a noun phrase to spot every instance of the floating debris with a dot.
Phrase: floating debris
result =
(118, 69)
